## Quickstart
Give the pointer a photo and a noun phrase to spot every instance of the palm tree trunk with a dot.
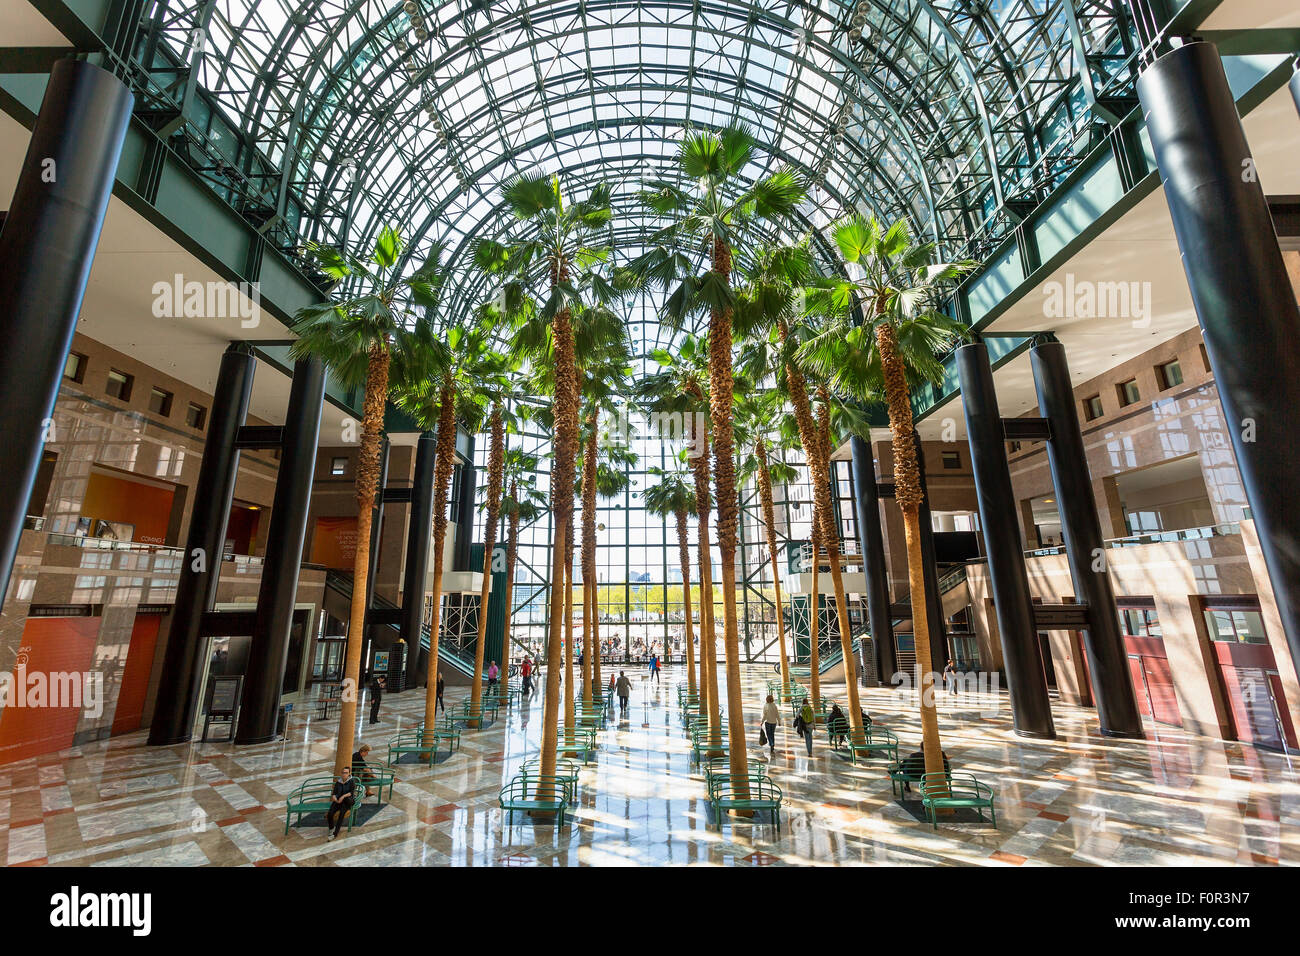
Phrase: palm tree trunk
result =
(568, 627)
(684, 557)
(496, 461)
(708, 638)
(512, 554)
(908, 494)
(368, 468)
(590, 670)
(565, 449)
(769, 524)
(814, 620)
(721, 399)
(831, 536)
(442, 469)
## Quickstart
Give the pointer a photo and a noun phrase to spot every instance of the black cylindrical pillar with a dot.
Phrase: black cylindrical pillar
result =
(278, 590)
(1031, 709)
(1112, 684)
(465, 515)
(376, 540)
(417, 552)
(1295, 87)
(930, 568)
(46, 248)
(179, 682)
(871, 541)
(1244, 301)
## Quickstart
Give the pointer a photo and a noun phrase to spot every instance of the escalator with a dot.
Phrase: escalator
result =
(450, 657)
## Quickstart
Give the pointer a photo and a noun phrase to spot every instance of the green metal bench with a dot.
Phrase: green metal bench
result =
(486, 711)
(910, 770)
(421, 742)
(372, 777)
(877, 740)
(576, 740)
(702, 741)
(940, 791)
(313, 796)
(566, 773)
(594, 716)
(749, 792)
(533, 794)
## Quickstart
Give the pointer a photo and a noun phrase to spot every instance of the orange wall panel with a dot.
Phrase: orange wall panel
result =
(49, 644)
(135, 676)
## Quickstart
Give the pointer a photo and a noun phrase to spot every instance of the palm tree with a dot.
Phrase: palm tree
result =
(718, 209)
(753, 417)
(898, 290)
(555, 263)
(676, 400)
(358, 337)
(774, 302)
(455, 376)
(612, 461)
(496, 470)
(605, 365)
(671, 496)
(522, 503)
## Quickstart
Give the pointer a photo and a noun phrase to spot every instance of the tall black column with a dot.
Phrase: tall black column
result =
(871, 542)
(930, 569)
(1244, 301)
(279, 586)
(1031, 709)
(46, 248)
(179, 683)
(376, 540)
(1295, 87)
(1107, 660)
(417, 553)
(465, 514)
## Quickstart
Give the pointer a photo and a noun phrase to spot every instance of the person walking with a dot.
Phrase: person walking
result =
(771, 717)
(654, 668)
(342, 797)
(804, 724)
(376, 695)
(624, 690)
(950, 677)
(493, 673)
(526, 672)
(442, 685)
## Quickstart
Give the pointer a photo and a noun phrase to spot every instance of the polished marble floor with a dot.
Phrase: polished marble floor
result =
(1077, 801)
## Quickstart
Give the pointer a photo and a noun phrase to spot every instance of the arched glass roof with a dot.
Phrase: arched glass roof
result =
(947, 112)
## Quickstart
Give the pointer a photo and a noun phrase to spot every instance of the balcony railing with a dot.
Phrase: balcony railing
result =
(1154, 537)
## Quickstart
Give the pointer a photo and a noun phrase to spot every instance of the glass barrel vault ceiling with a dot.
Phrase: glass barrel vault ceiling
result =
(947, 112)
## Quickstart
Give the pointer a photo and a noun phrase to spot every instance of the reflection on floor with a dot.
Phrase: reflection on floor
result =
(1080, 800)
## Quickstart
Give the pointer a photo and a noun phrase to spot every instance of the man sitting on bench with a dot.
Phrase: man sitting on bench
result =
(913, 766)
(361, 769)
(341, 800)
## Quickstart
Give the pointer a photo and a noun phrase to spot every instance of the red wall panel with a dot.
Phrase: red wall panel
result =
(50, 644)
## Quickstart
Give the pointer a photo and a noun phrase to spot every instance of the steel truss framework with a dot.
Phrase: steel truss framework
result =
(339, 117)
(327, 119)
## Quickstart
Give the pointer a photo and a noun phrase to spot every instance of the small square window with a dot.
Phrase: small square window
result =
(951, 459)
(1169, 374)
(1013, 446)
(195, 416)
(160, 401)
(1092, 408)
(338, 466)
(74, 369)
(1128, 392)
(119, 385)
